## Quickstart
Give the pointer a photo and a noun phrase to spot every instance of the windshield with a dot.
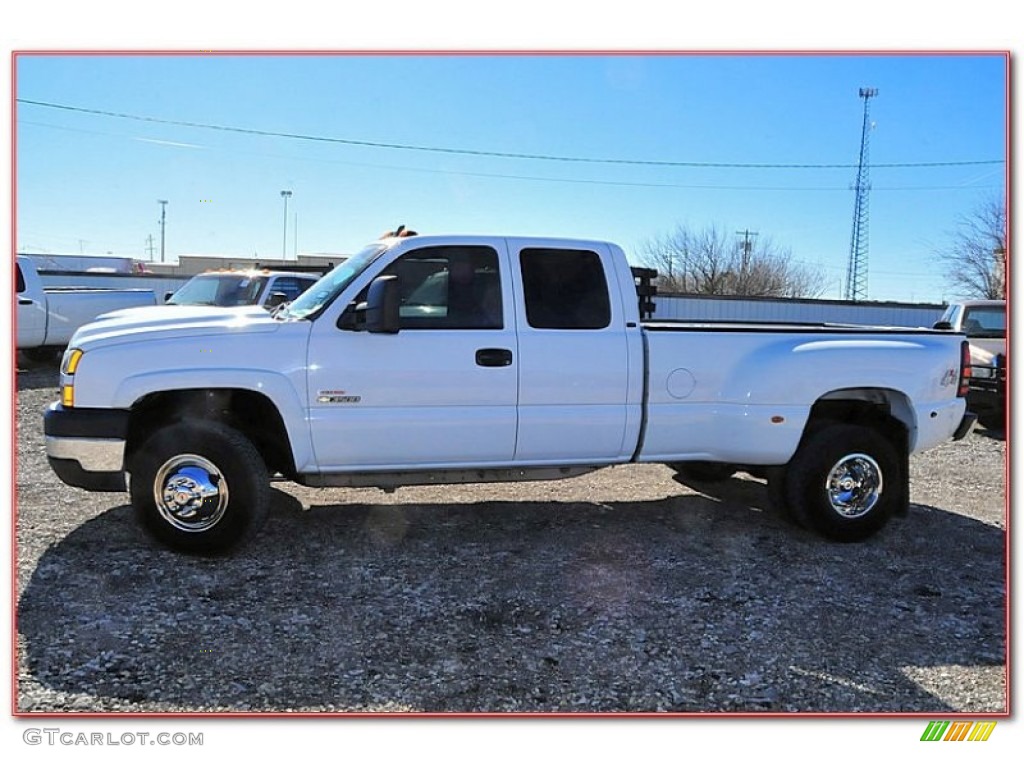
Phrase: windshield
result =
(985, 322)
(327, 288)
(219, 290)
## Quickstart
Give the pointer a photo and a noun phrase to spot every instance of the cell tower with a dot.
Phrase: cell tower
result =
(857, 271)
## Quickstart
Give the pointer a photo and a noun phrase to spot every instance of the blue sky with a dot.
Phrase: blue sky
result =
(89, 183)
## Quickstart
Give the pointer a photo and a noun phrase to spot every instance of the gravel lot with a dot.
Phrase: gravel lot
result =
(621, 591)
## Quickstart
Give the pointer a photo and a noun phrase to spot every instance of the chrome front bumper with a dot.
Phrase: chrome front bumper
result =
(92, 454)
(86, 446)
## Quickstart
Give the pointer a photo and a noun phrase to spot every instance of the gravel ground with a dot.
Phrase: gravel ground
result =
(620, 591)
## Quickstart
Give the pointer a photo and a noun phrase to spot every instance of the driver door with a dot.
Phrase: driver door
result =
(442, 392)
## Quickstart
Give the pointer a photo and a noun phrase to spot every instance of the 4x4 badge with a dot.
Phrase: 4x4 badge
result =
(332, 396)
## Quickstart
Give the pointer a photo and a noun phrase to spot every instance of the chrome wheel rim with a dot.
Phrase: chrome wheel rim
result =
(854, 485)
(190, 493)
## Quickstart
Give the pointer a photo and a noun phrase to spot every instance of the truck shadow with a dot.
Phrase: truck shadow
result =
(995, 433)
(682, 604)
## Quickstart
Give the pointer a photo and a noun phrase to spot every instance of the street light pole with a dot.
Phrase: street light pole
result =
(163, 226)
(285, 193)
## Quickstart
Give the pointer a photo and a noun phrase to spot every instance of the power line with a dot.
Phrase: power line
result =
(837, 267)
(487, 153)
(549, 179)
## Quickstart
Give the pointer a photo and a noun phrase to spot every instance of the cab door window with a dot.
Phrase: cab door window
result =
(449, 287)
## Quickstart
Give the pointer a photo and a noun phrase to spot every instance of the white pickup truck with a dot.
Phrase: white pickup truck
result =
(47, 317)
(983, 322)
(431, 359)
(239, 288)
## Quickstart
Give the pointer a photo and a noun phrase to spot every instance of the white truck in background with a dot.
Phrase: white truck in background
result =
(231, 292)
(48, 317)
(983, 322)
(242, 288)
(458, 359)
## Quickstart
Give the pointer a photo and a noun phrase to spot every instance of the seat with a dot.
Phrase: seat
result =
(972, 327)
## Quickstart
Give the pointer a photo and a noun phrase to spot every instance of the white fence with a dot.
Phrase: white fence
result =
(670, 307)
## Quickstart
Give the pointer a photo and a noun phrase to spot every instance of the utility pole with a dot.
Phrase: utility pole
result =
(149, 247)
(999, 273)
(285, 193)
(857, 269)
(747, 247)
(163, 230)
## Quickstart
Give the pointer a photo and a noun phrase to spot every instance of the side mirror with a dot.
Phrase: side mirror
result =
(943, 325)
(276, 299)
(167, 296)
(382, 305)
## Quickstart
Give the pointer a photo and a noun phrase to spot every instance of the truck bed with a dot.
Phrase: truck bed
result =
(767, 326)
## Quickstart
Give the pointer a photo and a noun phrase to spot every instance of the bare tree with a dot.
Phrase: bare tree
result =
(976, 254)
(707, 261)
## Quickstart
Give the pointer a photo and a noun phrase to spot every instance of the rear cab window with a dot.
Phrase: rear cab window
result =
(564, 289)
(291, 287)
(985, 322)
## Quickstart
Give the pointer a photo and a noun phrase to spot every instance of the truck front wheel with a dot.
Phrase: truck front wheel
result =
(199, 487)
(845, 481)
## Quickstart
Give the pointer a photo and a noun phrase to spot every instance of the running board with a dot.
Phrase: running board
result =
(389, 481)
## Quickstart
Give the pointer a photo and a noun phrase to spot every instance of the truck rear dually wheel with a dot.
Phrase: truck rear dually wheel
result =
(199, 487)
(844, 482)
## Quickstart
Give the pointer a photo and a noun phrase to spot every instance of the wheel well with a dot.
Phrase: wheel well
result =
(886, 411)
(251, 413)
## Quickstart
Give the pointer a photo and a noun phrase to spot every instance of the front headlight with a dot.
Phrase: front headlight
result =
(68, 366)
(69, 363)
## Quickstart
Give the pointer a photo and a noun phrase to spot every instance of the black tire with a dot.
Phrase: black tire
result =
(845, 482)
(702, 471)
(199, 487)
